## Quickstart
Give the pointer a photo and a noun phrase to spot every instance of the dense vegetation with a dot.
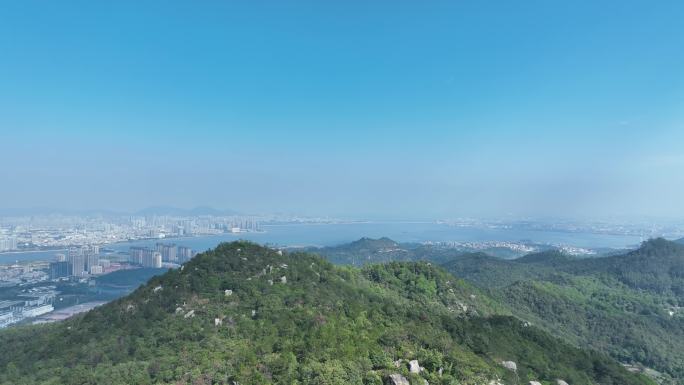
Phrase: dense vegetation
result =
(369, 251)
(626, 305)
(245, 314)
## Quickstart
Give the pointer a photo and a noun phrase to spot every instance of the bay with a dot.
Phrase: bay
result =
(339, 233)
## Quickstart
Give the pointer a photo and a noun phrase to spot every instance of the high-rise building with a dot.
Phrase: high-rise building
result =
(145, 256)
(169, 252)
(59, 269)
(77, 263)
(135, 255)
(152, 259)
(74, 251)
(185, 254)
(92, 260)
(157, 260)
(8, 244)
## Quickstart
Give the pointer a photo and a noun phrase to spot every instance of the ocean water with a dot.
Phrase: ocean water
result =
(335, 234)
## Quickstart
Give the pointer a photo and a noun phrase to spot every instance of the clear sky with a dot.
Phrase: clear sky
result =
(383, 109)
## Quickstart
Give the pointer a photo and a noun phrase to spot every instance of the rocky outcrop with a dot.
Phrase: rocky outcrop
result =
(561, 382)
(414, 367)
(510, 365)
(535, 383)
(398, 379)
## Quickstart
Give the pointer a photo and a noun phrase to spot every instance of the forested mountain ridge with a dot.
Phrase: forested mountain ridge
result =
(368, 251)
(247, 314)
(628, 305)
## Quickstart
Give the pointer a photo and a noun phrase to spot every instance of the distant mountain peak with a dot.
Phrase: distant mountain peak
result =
(546, 257)
(659, 247)
(372, 243)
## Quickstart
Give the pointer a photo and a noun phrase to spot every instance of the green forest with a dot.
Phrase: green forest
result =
(246, 314)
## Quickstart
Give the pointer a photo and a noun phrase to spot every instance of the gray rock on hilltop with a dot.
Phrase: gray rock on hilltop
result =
(398, 379)
(414, 367)
(510, 365)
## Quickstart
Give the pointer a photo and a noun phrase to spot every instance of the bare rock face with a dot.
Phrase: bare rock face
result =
(398, 379)
(414, 367)
(561, 382)
(510, 365)
(535, 383)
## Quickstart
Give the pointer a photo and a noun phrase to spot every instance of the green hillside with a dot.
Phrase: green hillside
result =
(245, 314)
(626, 305)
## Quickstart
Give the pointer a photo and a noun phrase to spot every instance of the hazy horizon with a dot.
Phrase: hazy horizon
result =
(383, 110)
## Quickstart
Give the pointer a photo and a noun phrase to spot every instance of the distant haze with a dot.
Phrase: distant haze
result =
(381, 110)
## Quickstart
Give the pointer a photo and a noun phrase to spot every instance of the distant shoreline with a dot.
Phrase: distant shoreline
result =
(47, 250)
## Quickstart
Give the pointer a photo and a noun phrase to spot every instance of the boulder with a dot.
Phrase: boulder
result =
(510, 365)
(398, 379)
(561, 382)
(414, 367)
(535, 383)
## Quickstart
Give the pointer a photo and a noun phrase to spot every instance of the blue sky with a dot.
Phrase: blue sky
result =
(385, 109)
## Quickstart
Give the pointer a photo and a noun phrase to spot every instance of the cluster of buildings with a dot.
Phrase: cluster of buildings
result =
(520, 247)
(8, 244)
(62, 231)
(78, 262)
(35, 302)
(25, 274)
(162, 252)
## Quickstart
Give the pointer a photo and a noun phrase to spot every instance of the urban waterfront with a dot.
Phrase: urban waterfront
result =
(324, 234)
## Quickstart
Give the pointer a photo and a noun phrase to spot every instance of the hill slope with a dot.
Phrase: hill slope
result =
(246, 314)
(626, 305)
